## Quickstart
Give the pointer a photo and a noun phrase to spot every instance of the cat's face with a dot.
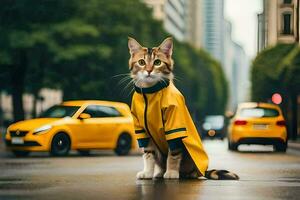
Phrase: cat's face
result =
(150, 65)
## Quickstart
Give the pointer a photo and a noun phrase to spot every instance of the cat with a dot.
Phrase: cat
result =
(163, 126)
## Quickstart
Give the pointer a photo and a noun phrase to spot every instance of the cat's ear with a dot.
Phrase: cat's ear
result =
(133, 45)
(167, 46)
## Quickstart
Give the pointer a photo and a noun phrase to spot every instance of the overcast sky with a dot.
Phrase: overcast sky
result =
(243, 16)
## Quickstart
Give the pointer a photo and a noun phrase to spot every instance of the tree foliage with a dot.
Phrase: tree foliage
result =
(277, 70)
(202, 80)
(79, 46)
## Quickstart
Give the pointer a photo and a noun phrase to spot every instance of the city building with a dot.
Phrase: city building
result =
(236, 69)
(240, 75)
(172, 13)
(213, 25)
(261, 41)
(279, 23)
(195, 23)
(181, 18)
(201, 23)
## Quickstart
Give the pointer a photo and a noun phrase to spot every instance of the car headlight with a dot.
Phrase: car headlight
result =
(42, 129)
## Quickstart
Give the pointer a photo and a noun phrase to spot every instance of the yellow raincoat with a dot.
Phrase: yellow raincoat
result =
(160, 113)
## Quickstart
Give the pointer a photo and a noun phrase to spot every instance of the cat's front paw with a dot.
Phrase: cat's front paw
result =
(158, 174)
(144, 175)
(171, 174)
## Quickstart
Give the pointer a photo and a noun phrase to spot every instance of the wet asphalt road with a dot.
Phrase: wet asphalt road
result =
(264, 175)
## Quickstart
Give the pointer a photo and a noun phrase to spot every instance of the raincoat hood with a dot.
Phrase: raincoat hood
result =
(160, 113)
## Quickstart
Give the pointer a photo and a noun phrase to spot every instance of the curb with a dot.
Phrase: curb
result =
(295, 145)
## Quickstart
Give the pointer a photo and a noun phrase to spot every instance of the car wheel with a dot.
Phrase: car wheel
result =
(280, 147)
(60, 145)
(21, 153)
(123, 144)
(232, 146)
(84, 152)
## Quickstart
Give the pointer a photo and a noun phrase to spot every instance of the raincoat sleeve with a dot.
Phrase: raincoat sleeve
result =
(140, 133)
(175, 126)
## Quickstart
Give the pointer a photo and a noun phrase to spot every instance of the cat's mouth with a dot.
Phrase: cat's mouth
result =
(149, 78)
(145, 80)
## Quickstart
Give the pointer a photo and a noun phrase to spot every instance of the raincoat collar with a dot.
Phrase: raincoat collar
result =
(158, 86)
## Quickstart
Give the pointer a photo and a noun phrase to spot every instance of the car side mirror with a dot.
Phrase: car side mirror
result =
(83, 116)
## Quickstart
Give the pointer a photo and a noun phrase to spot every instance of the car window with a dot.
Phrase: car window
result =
(213, 122)
(59, 111)
(218, 119)
(102, 111)
(259, 112)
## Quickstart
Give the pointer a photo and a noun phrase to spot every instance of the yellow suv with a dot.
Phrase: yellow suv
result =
(258, 123)
(75, 125)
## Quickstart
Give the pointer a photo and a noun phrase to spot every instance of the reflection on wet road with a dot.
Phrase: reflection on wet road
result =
(264, 175)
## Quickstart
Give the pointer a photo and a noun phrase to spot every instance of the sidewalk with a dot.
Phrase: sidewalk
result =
(294, 144)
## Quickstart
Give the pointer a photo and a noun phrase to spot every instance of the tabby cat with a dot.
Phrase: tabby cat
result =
(163, 126)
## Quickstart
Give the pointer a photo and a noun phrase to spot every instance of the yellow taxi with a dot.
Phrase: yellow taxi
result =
(258, 123)
(75, 125)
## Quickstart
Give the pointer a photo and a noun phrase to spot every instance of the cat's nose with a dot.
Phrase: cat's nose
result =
(149, 71)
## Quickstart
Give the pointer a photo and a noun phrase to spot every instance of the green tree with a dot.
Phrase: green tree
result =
(277, 70)
(23, 29)
(79, 46)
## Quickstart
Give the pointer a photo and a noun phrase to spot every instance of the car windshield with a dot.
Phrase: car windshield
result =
(218, 119)
(60, 111)
(213, 122)
(259, 112)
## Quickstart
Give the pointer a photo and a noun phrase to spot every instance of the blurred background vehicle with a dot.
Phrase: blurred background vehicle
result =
(213, 127)
(74, 125)
(258, 123)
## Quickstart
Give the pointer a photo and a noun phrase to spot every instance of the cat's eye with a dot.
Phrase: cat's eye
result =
(157, 62)
(142, 62)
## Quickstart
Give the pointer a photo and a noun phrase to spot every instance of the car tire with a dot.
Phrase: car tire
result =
(123, 144)
(60, 145)
(21, 153)
(280, 147)
(232, 146)
(84, 152)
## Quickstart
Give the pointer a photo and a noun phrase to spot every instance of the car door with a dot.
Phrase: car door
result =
(86, 129)
(107, 120)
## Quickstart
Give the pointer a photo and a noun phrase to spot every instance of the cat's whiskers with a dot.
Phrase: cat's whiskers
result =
(176, 78)
(163, 80)
(128, 84)
(130, 92)
(121, 81)
(124, 89)
(137, 82)
(125, 74)
(124, 80)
